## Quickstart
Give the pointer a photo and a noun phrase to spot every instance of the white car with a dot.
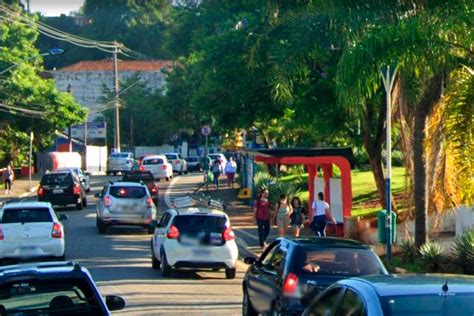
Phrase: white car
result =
(31, 230)
(84, 177)
(120, 162)
(194, 238)
(221, 157)
(159, 166)
(180, 165)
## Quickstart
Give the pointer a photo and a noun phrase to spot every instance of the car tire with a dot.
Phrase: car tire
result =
(150, 229)
(155, 263)
(247, 308)
(180, 171)
(79, 205)
(165, 267)
(230, 273)
(101, 226)
(84, 202)
(61, 258)
(88, 189)
(167, 179)
(108, 173)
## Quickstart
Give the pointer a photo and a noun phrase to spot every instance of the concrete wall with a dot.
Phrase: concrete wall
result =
(464, 219)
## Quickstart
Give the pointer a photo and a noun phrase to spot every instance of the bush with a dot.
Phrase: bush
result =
(432, 256)
(262, 180)
(463, 251)
(289, 188)
(408, 250)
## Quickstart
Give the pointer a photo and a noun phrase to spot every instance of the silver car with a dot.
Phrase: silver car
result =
(120, 162)
(125, 203)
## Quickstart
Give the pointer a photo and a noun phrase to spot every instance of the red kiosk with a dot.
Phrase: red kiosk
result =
(323, 158)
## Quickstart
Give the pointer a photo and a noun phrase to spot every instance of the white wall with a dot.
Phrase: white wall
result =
(335, 201)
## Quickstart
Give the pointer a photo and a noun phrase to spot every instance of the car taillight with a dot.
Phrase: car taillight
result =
(40, 191)
(228, 234)
(107, 201)
(163, 167)
(176, 162)
(291, 284)
(1, 233)
(76, 189)
(173, 232)
(142, 168)
(149, 202)
(154, 189)
(57, 231)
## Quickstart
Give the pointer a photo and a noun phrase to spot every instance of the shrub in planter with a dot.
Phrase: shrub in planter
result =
(463, 251)
(262, 181)
(408, 250)
(431, 255)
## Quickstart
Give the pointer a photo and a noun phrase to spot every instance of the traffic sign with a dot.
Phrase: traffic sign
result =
(206, 130)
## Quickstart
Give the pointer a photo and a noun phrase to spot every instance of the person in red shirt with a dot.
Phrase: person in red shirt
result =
(262, 214)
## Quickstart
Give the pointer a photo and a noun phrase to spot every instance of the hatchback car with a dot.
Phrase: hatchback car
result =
(291, 271)
(222, 159)
(180, 165)
(62, 188)
(83, 176)
(120, 162)
(159, 166)
(125, 203)
(194, 163)
(194, 238)
(145, 177)
(31, 230)
(54, 288)
(397, 295)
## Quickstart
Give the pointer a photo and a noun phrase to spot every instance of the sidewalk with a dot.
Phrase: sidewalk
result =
(20, 188)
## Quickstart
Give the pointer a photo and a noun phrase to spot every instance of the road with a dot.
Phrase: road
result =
(120, 264)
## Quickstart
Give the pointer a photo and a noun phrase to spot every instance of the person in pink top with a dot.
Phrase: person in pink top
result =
(262, 214)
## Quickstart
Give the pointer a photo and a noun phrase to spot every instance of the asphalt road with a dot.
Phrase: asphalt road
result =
(120, 263)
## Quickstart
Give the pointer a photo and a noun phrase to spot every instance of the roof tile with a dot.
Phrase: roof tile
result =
(123, 65)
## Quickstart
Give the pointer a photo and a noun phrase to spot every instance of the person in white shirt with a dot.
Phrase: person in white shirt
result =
(230, 169)
(321, 215)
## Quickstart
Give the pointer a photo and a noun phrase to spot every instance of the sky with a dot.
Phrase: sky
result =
(54, 7)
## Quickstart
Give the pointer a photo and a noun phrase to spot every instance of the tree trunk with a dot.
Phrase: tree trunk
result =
(375, 160)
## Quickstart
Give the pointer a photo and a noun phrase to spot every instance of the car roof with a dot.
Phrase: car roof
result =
(154, 157)
(68, 168)
(415, 284)
(25, 269)
(58, 172)
(198, 211)
(127, 184)
(29, 204)
(171, 154)
(327, 242)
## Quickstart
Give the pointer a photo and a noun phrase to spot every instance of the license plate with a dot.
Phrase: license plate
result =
(201, 252)
(57, 190)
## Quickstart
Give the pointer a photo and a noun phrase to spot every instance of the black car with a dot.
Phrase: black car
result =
(291, 271)
(145, 177)
(53, 288)
(62, 188)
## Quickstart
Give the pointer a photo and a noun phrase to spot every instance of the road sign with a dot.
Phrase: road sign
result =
(206, 130)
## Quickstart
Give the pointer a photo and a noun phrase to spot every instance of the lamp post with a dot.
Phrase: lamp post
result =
(52, 51)
(388, 77)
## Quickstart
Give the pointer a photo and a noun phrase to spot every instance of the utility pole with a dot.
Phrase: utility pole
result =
(69, 129)
(28, 6)
(116, 101)
(30, 160)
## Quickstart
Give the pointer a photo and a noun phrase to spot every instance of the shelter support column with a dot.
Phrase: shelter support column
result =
(328, 173)
(311, 176)
(346, 185)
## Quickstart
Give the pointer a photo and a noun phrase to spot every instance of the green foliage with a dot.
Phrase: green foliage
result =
(431, 254)
(408, 250)
(463, 251)
(290, 189)
(262, 180)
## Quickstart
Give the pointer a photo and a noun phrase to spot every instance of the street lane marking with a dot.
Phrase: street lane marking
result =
(250, 235)
(168, 191)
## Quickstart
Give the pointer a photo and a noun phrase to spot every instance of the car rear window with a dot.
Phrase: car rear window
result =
(200, 223)
(62, 296)
(120, 155)
(62, 179)
(172, 157)
(429, 304)
(136, 177)
(26, 215)
(127, 192)
(336, 261)
(153, 161)
(191, 159)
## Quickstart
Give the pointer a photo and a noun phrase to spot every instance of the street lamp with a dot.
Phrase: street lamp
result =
(50, 52)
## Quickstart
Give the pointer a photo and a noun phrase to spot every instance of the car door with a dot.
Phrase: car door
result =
(160, 233)
(100, 199)
(352, 303)
(326, 304)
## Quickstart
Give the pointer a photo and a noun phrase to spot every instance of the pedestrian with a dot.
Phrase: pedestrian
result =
(262, 214)
(282, 215)
(230, 169)
(8, 176)
(216, 170)
(296, 216)
(321, 215)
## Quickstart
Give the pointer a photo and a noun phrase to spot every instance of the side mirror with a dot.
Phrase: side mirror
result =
(114, 303)
(250, 260)
(97, 195)
(63, 217)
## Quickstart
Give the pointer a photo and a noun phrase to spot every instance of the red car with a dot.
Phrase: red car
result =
(147, 178)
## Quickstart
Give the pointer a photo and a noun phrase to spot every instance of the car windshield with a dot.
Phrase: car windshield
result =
(64, 296)
(136, 177)
(200, 223)
(26, 215)
(336, 261)
(127, 192)
(153, 161)
(53, 179)
(459, 304)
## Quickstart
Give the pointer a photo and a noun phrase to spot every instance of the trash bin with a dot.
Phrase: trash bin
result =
(382, 233)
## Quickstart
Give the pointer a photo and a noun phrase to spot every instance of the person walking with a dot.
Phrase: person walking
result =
(8, 176)
(321, 215)
(216, 170)
(262, 214)
(296, 216)
(282, 215)
(230, 169)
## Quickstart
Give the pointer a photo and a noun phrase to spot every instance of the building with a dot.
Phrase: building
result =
(86, 81)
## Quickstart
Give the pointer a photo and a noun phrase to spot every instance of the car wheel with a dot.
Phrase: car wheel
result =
(167, 178)
(107, 173)
(88, 189)
(151, 229)
(230, 273)
(61, 258)
(101, 227)
(84, 202)
(155, 263)
(79, 205)
(247, 308)
(165, 267)
(180, 171)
